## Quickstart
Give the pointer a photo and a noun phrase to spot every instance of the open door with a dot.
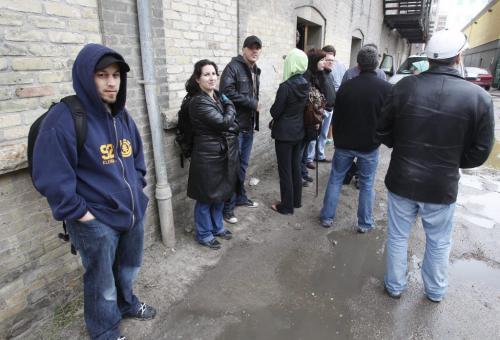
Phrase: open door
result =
(310, 34)
(355, 47)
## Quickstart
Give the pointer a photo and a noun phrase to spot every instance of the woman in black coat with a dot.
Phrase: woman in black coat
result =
(214, 158)
(288, 130)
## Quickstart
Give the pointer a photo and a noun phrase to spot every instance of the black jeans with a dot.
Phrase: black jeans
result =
(289, 155)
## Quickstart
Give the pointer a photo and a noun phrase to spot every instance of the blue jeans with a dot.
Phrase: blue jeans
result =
(367, 166)
(111, 260)
(240, 196)
(323, 135)
(437, 220)
(207, 221)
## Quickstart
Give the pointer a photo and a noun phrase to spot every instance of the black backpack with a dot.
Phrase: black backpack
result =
(80, 119)
(184, 132)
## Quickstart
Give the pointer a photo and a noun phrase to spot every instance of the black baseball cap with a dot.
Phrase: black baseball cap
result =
(109, 59)
(249, 41)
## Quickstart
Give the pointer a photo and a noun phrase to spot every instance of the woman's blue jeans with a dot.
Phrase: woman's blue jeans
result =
(111, 260)
(208, 220)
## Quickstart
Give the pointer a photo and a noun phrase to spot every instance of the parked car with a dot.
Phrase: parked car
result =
(414, 64)
(479, 76)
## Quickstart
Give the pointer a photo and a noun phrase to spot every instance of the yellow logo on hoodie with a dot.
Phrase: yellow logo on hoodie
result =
(108, 151)
(126, 147)
(108, 154)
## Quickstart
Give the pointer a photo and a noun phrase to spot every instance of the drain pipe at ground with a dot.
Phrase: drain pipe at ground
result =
(163, 192)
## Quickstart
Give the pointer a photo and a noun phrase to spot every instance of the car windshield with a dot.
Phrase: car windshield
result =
(475, 71)
(406, 67)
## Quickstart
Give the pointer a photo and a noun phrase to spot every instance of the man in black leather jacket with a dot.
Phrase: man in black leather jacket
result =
(436, 122)
(240, 83)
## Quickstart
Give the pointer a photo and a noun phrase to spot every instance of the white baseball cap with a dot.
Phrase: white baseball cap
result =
(446, 44)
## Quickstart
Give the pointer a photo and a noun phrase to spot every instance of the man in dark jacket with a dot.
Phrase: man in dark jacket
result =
(351, 73)
(354, 71)
(437, 123)
(240, 83)
(98, 190)
(357, 109)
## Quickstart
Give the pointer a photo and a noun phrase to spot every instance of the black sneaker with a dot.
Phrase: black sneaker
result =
(145, 312)
(434, 300)
(249, 204)
(225, 235)
(121, 338)
(308, 178)
(392, 295)
(212, 244)
(364, 230)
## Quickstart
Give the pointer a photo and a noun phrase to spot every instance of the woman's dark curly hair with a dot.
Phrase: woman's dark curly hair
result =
(192, 86)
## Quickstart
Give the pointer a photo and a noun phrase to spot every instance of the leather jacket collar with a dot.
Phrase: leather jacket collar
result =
(443, 69)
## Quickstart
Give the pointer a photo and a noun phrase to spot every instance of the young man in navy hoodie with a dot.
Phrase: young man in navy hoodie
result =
(98, 190)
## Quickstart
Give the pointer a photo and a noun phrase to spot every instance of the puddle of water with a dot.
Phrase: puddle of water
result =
(494, 159)
(317, 291)
(476, 272)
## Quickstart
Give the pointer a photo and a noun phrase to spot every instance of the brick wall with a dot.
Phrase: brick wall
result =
(39, 41)
(194, 30)
(120, 32)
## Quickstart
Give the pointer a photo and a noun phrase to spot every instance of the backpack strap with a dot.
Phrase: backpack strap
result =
(65, 237)
(79, 117)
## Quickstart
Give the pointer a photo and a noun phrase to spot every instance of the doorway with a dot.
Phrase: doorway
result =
(310, 34)
(355, 47)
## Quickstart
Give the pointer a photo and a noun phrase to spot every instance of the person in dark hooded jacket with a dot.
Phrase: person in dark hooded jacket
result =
(98, 190)
(214, 159)
(288, 130)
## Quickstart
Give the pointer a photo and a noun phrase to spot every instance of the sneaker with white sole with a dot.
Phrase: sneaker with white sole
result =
(144, 312)
(249, 204)
(230, 219)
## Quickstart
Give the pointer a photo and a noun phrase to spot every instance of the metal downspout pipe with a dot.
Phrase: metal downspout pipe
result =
(163, 192)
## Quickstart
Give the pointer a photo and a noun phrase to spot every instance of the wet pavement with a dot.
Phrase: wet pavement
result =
(289, 278)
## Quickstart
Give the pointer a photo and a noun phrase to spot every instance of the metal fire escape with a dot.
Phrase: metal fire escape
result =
(409, 18)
